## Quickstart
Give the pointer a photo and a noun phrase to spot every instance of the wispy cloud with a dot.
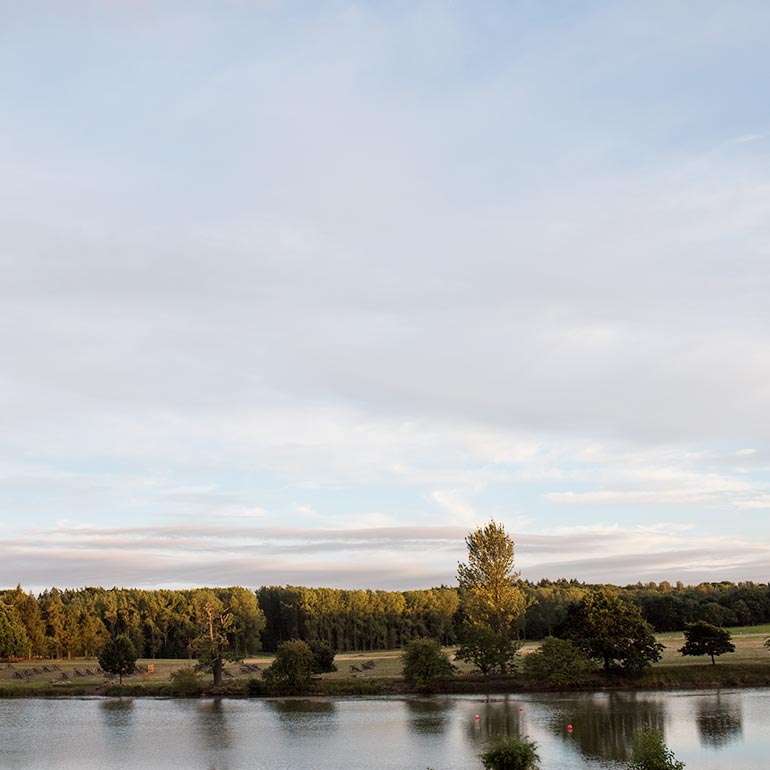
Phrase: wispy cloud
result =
(391, 557)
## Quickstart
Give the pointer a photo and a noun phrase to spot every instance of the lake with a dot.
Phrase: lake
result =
(709, 730)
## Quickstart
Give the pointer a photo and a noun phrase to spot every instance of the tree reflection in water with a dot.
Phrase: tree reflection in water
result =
(602, 726)
(428, 717)
(719, 719)
(212, 725)
(496, 718)
(118, 715)
(293, 713)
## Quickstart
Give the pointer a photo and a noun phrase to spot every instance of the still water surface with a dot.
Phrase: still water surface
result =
(727, 730)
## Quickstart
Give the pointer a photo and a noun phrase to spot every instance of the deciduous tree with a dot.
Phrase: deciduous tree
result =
(425, 663)
(491, 600)
(612, 631)
(293, 664)
(702, 638)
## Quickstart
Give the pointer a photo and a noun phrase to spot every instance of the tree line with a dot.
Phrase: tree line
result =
(165, 623)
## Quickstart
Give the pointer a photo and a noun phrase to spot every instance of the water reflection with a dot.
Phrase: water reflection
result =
(496, 717)
(428, 716)
(602, 726)
(118, 718)
(719, 719)
(212, 727)
(289, 708)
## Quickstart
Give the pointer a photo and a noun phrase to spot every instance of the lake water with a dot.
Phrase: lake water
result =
(709, 730)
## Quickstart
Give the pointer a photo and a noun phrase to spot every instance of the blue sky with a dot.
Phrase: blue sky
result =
(300, 293)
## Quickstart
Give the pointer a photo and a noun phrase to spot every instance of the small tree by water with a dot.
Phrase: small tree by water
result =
(425, 663)
(649, 752)
(293, 664)
(118, 656)
(511, 753)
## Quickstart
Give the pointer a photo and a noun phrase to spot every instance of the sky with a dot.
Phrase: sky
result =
(304, 292)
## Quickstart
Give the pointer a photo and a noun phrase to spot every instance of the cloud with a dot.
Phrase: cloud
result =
(421, 266)
(379, 557)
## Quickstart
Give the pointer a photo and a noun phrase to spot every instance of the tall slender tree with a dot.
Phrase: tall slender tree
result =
(491, 600)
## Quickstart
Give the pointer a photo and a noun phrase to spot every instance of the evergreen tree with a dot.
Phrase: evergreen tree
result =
(118, 656)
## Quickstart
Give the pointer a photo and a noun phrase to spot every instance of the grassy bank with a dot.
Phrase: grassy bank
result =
(376, 673)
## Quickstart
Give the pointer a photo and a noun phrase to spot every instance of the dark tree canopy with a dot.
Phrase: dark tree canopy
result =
(612, 631)
(118, 656)
(14, 642)
(323, 657)
(703, 638)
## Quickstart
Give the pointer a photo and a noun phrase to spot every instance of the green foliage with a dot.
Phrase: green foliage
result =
(702, 638)
(118, 656)
(211, 646)
(323, 657)
(612, 631)
(184, 681)
(491, 600)
(649, 752)
(292, 666)
(14, 642)
(511, 754)
(425, 663)
(559, 663)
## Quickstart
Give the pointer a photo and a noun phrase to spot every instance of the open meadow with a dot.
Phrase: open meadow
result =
(84, 674)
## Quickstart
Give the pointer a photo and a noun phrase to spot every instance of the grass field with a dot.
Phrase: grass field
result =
(64, 675)
(749, 644)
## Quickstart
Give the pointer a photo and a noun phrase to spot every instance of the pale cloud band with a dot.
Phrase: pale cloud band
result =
(388, 557)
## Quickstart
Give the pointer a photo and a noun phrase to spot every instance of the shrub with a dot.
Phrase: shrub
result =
(425, 663)
(323, 657)
(293, 664)
(559, 663)
(184, 681)
(511, 754)
(649, 752)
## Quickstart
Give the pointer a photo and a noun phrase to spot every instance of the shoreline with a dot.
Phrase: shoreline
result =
(685, 677)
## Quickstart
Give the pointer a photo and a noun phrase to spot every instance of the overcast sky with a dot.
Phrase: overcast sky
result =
(302, 292)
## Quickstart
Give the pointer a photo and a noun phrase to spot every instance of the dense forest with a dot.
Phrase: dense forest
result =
(162, 623)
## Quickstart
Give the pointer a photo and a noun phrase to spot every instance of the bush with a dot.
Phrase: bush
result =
(184, 681)
(293, 664)
(511, 754)
(425, 663)
(649, 752)
(323, 657)
(559, 663)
